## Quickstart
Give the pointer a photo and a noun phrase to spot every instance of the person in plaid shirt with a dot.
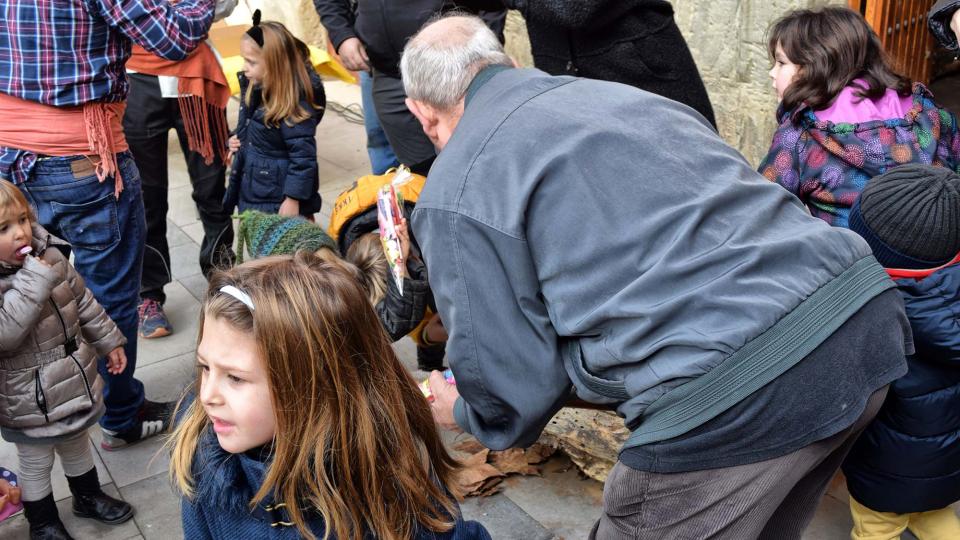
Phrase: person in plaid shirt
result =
(62, 93)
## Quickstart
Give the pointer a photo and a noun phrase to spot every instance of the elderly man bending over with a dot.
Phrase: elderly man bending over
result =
(589, 240)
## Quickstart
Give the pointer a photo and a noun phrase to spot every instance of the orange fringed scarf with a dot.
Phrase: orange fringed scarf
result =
(94, 127)
(204, 94)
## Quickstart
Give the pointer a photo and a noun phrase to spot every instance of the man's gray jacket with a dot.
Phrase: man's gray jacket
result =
(589, 232)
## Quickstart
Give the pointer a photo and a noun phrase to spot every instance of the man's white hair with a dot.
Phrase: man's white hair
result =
(438, 66)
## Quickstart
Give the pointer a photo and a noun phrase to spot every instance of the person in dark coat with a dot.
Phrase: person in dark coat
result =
(634, 42)
(904, 471)
(944, 22)
(274, 169)
(369, 36)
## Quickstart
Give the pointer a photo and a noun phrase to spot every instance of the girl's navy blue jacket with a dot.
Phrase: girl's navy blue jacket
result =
(908, 459)
(225, 484)
(275, 162)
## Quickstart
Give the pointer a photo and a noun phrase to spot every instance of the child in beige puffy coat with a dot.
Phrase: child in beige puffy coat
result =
(52, 331)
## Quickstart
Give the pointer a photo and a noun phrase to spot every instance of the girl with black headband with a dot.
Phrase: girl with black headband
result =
(274, 167)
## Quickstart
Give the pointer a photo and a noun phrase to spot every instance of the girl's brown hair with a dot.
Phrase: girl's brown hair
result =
(366, 254)
(10, 195)
(286, 80)
(355, 440)
(831, 47)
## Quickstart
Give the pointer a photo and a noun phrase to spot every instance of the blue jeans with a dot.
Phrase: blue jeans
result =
(378, 147)
(107, 238)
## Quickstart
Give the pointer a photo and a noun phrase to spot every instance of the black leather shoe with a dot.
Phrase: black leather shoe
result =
(44, 520)
(50, 531)
(102, 508)
(89, 501)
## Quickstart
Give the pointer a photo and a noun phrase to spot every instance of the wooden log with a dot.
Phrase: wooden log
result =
(591, 438)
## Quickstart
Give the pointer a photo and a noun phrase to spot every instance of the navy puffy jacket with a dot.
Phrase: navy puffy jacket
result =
(275, 162)
(908, 459)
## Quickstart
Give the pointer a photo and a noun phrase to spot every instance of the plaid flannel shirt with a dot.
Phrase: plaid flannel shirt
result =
(70, 52)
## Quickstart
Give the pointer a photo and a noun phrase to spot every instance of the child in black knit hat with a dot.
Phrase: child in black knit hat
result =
(904, 471)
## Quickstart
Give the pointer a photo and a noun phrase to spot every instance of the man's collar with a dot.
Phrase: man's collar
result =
(481, 79)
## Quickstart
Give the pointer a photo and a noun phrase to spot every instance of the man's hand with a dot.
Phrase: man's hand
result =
(289, 207)
(354, 55)
(116, 361)
(955, 24)
(444, 397)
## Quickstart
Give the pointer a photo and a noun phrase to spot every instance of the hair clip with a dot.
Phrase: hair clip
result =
(256, 32)
(238, 294)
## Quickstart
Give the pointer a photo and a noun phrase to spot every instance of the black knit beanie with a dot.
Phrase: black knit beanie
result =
(910, 216)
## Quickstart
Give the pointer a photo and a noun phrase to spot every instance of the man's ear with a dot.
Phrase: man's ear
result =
(427, 116)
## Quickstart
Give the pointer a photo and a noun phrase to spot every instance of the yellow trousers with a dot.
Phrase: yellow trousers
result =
(872, 525)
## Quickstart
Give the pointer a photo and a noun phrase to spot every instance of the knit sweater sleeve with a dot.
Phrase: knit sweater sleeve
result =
(194, 521)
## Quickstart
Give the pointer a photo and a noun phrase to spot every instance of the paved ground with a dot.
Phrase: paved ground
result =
(560, 504)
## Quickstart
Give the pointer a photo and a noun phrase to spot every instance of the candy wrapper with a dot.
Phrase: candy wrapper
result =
(425, 385)
(389, 218)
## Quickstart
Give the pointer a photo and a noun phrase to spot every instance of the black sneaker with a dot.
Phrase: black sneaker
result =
(154, 418)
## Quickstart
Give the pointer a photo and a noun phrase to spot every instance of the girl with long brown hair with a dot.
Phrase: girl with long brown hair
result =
(274, 167)
(305, 424)
(845, 115)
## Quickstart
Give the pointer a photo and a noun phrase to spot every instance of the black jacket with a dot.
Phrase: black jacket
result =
(384, 26)
(634, 42)
(275, 162)
(939, 22)
(908, 459)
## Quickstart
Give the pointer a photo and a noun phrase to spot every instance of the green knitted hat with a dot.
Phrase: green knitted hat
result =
(273, 234)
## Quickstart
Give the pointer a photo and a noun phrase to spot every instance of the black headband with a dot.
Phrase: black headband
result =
(255, 32)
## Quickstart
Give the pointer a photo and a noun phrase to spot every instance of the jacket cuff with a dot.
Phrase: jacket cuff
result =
(109, 342)
(337, 38)
(460, 415)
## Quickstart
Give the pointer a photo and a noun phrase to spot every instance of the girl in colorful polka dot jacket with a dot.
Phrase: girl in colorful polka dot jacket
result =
(845, 116)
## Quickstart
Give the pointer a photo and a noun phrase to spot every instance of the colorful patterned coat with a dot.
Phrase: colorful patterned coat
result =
(827, 165)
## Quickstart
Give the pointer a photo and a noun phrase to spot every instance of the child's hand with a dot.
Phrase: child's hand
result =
(233, 143)
(116, 361)
(289, 207)
(8, 493)
(434, 330)
(404, 236)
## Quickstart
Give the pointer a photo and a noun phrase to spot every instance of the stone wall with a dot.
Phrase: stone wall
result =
(728, 41)
(727, 38)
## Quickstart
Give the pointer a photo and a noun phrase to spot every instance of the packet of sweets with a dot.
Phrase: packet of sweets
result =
(389, 218)
(425, 385)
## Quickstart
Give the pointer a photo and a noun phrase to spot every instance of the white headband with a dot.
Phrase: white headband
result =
(238, 294)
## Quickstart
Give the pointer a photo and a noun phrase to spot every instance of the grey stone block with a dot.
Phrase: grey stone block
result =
(503, 518)
(158, 508)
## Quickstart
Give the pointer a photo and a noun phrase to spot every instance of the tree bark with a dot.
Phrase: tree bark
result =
(591, 438)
